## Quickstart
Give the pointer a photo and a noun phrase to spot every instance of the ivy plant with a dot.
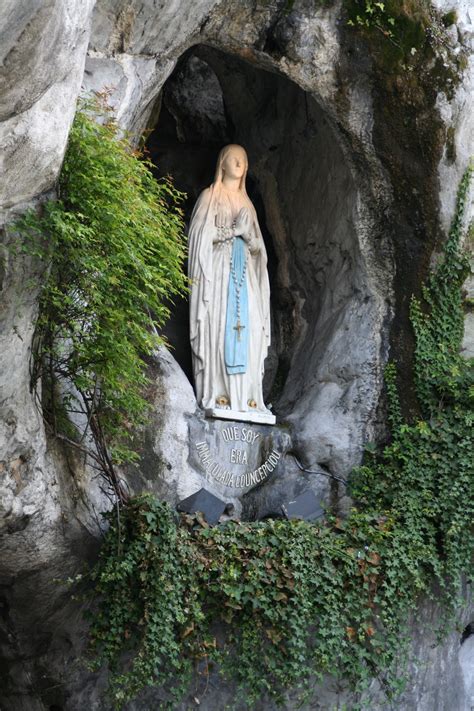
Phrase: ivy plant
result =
(273, 604)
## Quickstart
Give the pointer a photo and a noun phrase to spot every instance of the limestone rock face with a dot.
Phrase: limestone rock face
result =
(352, 193)
(42, 49)
(459, 122)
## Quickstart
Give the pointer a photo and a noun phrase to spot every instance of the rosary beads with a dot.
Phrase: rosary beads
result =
(238, 284)
(227, 234)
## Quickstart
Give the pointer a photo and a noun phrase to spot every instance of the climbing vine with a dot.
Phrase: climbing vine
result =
(370, 14)
(272, 604)
(112, 251)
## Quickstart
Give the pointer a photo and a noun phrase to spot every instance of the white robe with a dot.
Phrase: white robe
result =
(209, 272)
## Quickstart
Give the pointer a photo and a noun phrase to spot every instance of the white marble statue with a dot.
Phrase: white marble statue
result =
(230, 296)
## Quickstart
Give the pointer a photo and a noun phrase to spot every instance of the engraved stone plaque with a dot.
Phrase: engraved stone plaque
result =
(234, 457)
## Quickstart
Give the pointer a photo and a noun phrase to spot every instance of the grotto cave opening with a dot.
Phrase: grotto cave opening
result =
(306, 199)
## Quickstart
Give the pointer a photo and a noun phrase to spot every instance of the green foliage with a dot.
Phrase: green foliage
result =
(440, 371)
(405, 35)
(295, 600)
(449, 18)
(113, 251)
(292, 598)
(425, 477)
(148, 585)
(370, 14)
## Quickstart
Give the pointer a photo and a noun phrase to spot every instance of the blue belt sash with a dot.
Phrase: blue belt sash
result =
(237, 329)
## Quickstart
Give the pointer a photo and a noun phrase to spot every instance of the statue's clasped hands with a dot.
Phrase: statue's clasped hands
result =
(242, 224)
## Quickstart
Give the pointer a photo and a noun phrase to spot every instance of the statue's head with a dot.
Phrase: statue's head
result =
(232, 161)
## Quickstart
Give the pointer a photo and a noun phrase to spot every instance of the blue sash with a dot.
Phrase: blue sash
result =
(237, 330)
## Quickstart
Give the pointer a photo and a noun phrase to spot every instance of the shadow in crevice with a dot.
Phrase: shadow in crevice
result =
(467, 632)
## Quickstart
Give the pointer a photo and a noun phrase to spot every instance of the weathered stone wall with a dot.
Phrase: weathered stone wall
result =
(356, 195)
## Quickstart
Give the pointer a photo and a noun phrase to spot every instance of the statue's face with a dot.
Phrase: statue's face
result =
(234, 163)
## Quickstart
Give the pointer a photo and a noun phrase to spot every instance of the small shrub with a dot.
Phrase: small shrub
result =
(112, 247)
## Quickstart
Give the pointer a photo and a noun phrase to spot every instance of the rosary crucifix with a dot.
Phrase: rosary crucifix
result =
(238, 328)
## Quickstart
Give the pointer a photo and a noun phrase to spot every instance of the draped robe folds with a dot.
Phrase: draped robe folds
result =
(209, 272)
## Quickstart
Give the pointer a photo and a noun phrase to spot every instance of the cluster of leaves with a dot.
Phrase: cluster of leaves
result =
(403, 33)
(113, 251)
(371, 14)
(149, 591)
(273, 604)
(291, 599)
(425, 477)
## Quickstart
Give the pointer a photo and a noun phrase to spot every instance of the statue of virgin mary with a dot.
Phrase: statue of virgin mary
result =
(230, 296)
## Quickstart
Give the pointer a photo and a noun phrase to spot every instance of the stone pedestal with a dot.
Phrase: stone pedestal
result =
(235, 456)
(250, 465)
(261, 418)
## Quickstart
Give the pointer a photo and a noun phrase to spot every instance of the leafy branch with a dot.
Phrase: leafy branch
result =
(112, 248)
